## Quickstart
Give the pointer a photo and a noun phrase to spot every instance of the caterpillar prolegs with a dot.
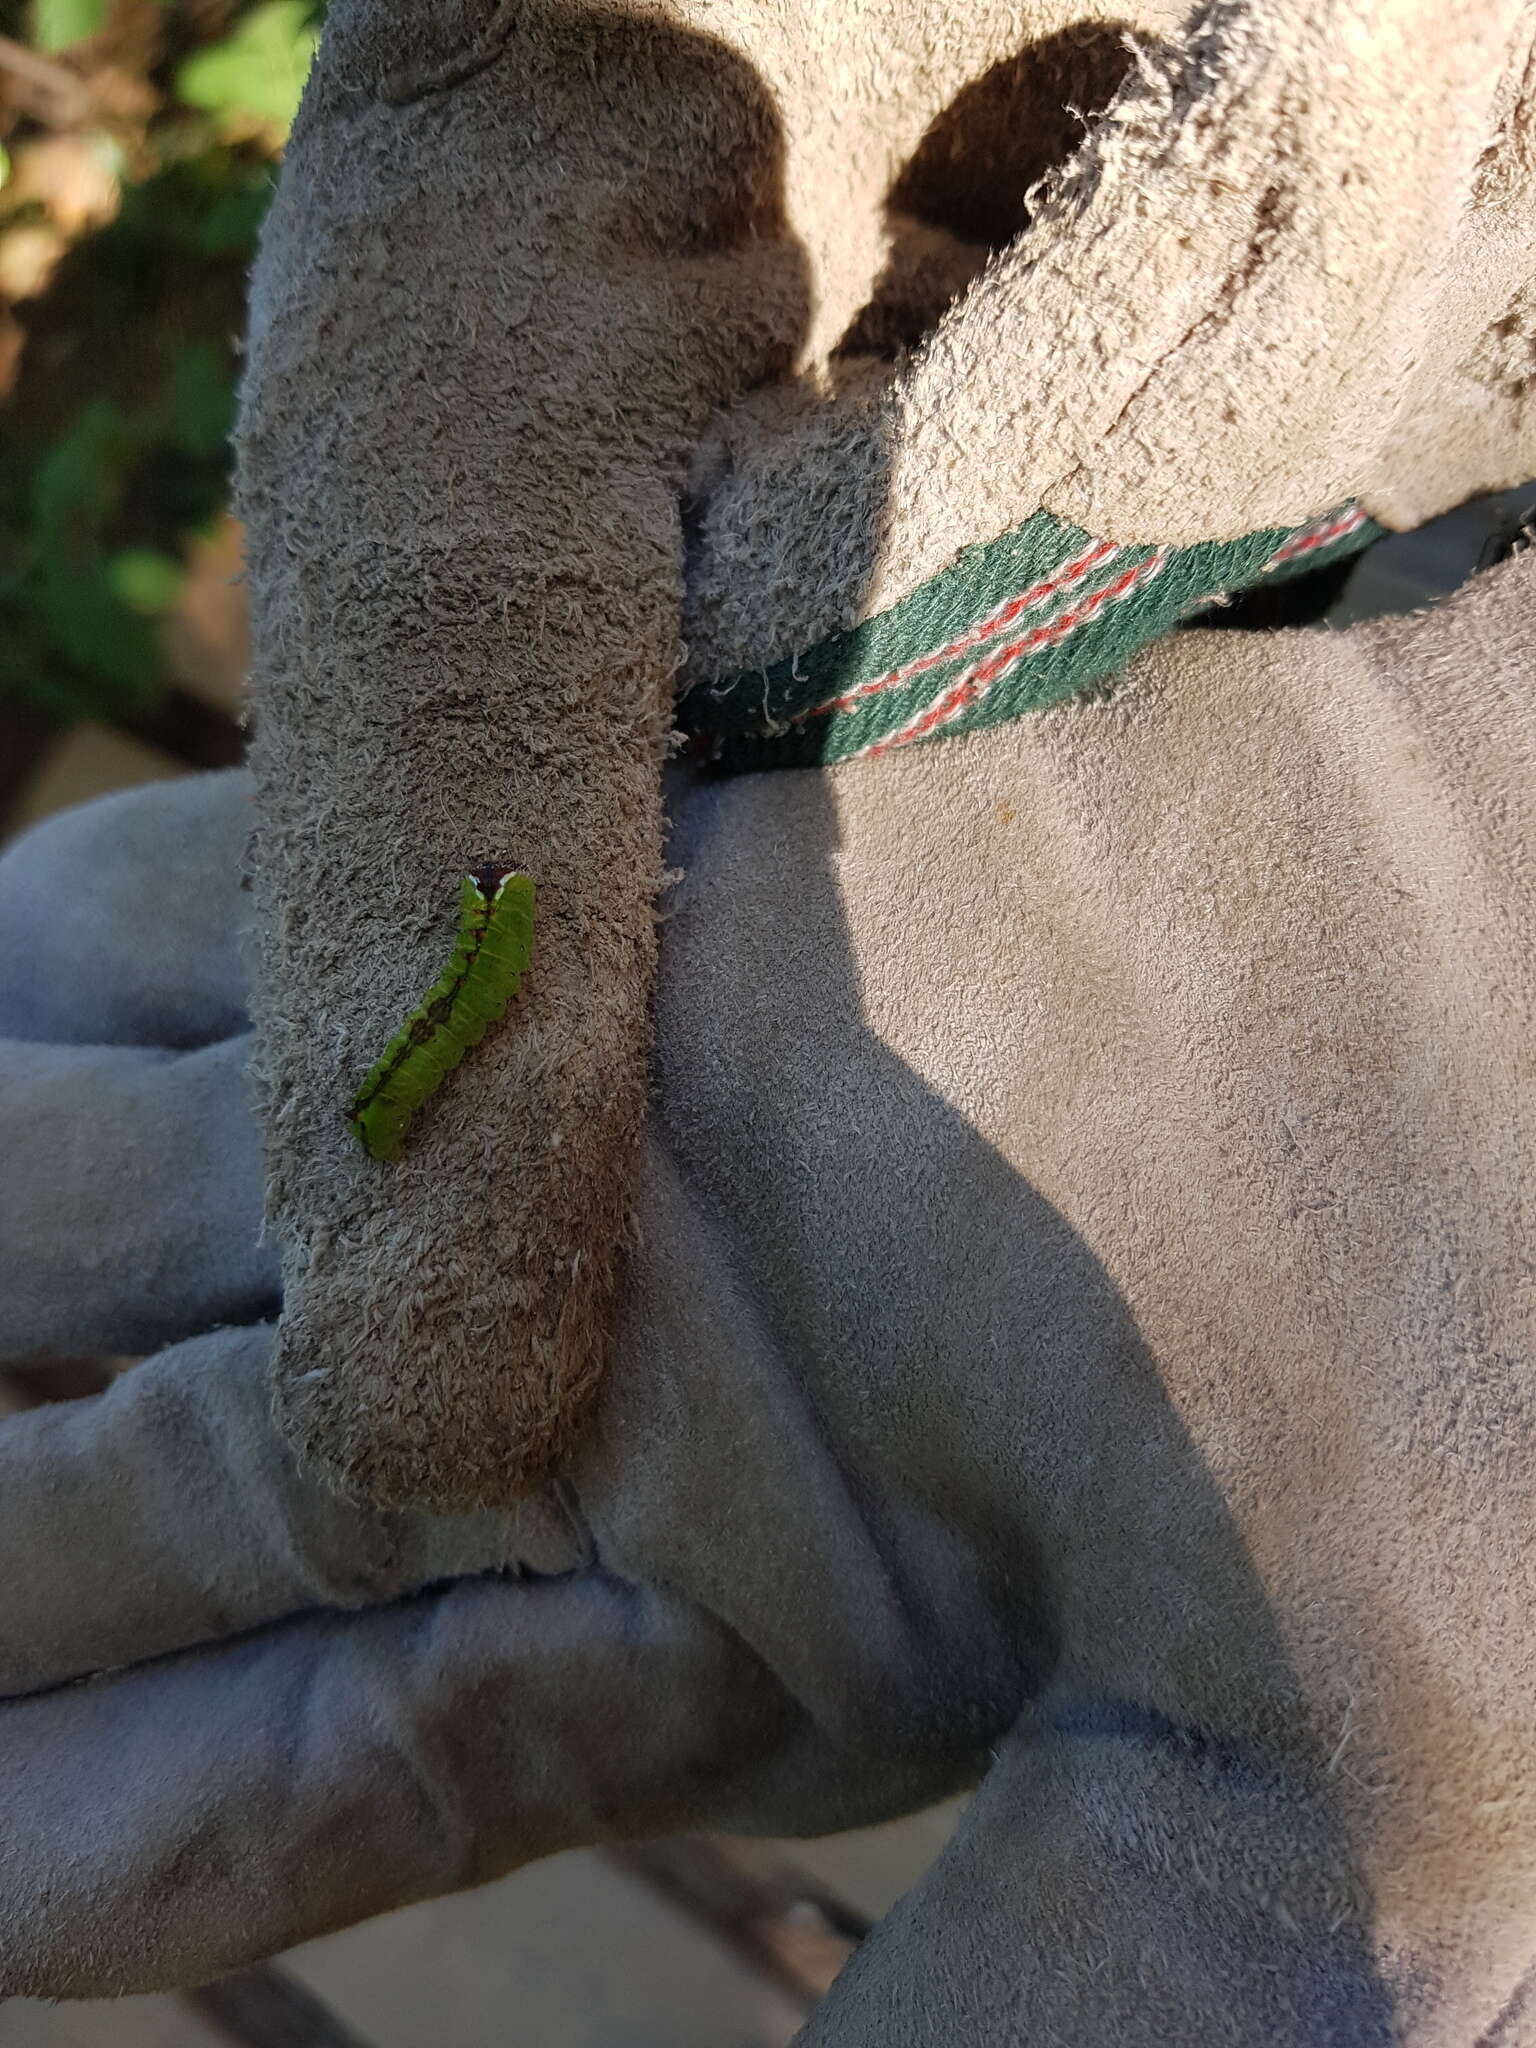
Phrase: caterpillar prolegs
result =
(490, 954)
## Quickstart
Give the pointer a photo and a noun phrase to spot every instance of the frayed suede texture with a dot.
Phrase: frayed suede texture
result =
(1079, 1337)
(1130, 1176)
(535, 274)
(488, 327)
(1290, 264)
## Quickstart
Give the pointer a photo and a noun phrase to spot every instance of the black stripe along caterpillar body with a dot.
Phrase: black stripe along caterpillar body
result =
(490, 955)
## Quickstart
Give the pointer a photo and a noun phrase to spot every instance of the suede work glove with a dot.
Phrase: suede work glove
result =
(1078, 1338)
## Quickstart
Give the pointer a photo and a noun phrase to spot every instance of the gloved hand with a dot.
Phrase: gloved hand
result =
(1078, 1333)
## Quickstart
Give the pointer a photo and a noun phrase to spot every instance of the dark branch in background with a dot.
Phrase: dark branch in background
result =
(194, 732)
(267, 2008)
(179, 724)
(779, 1921)
(29, 1383)
(45, 90)
(25, 738)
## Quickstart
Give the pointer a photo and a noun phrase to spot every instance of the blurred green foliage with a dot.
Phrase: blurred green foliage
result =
(256, 74)
(116, 425)
(57, 24)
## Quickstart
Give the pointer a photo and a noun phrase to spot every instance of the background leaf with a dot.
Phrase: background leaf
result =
(253, 80)
(144, 580)
(56, 24)
(202, 399)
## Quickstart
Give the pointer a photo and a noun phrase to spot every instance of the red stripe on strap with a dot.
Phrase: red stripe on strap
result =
(1065, 577)
(977, 681)
(1309, 538)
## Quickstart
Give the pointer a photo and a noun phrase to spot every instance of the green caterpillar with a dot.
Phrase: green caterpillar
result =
(490, 954)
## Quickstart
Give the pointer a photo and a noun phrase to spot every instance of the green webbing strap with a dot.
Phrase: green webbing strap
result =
(1019, 623)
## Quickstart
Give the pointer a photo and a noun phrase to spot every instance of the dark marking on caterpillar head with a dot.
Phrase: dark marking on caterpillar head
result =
(473, 989)
(488, 878)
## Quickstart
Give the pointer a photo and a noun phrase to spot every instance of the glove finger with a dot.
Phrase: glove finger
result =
(1125, 1880)
(121, 922)
(170, 1822)
(130, 1197)
(168, 1512)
